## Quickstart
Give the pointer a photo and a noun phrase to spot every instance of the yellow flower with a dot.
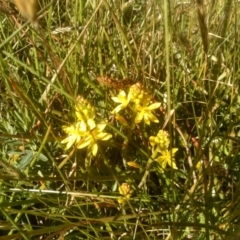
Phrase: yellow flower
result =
(125, 190)
(123, 99)
(75, 132)
(136, 91)
(84, 110)
(161, 140)
(145, 111)
(85, 132)
(167, 158)
(92, 134)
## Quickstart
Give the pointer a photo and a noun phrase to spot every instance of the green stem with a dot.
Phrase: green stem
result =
(149, 162)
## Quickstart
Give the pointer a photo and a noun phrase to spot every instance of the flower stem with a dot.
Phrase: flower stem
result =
(149, 162)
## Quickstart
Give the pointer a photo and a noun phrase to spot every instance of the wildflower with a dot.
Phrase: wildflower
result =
(92, 134)
(161, 140)
(167, 158)
(125, 190)
(123, 99)
(85, 134)
(145, 111)
(136, 91)
(74, 134)
(84, 110)
(138, 99)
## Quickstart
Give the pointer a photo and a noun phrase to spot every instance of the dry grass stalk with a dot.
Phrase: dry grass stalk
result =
(227, 15)
(203, 25)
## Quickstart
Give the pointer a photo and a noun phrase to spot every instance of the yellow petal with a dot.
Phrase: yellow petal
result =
(120, 98)
(84, 143)
(122, 94)
(122, 120)
(152, 141)
(117, 109)
(154, 106)
(146, 119)
(152, 118)
(139, 117)
(70, 140)
(116, 99)
(172, 164)
(104, 136)
(133, 164)
(94, 149)
(101, 126)
(91, 123)
(174, 150)
(81, 126)
(80, 115)
(69, 129)
(65, 140)
(164, 164)
(162, 159)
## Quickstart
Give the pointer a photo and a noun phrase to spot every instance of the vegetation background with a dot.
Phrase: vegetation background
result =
(185, 54)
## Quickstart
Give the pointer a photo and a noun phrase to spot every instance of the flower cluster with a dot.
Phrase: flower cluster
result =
(160, 145)
(85, 132)
(126, 190)
(161, 141)
(141, 104)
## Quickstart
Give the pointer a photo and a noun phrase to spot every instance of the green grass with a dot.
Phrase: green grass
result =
(186, 55)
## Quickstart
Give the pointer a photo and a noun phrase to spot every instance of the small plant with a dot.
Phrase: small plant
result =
(85, 132)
